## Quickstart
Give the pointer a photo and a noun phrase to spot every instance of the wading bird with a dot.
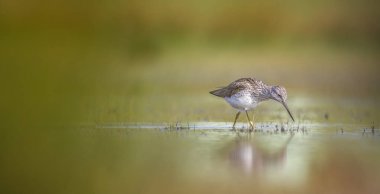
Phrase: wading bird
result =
(246, 93)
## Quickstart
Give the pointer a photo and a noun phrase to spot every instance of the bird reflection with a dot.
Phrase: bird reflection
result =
(248, 155)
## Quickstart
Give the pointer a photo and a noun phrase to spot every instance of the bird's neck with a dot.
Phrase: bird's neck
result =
(266, 93)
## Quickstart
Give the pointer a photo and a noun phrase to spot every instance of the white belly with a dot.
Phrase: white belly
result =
(242, 102)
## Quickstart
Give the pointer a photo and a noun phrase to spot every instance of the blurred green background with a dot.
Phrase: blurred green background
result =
(111, 60)
(67, 63)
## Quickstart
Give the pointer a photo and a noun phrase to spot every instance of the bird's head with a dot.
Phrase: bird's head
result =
(278, 93)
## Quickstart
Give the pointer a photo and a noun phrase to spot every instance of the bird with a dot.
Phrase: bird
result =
(246, 94)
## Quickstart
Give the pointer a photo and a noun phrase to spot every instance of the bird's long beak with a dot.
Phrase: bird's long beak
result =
(286, 107)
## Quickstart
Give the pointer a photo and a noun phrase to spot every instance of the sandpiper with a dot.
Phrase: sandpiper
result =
(245, 94)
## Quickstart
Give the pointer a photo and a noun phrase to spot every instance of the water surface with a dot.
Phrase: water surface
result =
(208, 157)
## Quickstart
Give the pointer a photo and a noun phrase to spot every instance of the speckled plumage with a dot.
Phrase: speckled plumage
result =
(245, 94)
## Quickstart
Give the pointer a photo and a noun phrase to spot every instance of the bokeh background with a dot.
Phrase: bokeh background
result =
(113, 60)
(68, 63)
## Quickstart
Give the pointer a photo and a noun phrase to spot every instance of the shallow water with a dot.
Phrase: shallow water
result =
(209, 157)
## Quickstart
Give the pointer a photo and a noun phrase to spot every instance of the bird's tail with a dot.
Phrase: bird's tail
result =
(219, 92)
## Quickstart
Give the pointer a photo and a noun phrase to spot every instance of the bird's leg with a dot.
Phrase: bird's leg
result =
(253, 119)
(249, 120)
(236, 117)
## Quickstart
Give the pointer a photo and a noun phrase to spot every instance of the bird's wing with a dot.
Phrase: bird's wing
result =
(254, 86)
(250, 84)
(240, 84)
